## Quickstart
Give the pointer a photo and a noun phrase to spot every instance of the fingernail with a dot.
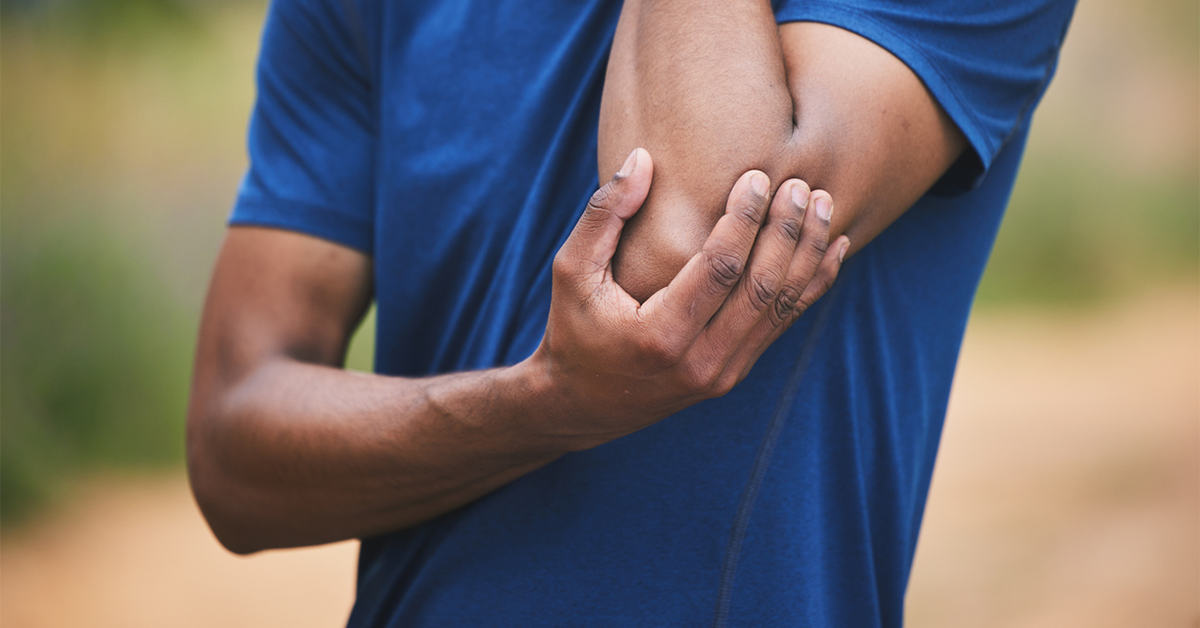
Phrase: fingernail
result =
(760, 183)
(842, 251)
(629, 165)
(824, 208)
(800, 196)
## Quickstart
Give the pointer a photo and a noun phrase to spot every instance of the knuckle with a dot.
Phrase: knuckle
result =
(699, 378)
(810, 297)
(750, 214)
(789, 297)
(725, 384)
(818, 246)
(726, 268)
(798, 311)
(791, 228)
(659, 350)
(763, 290)
(600, 200)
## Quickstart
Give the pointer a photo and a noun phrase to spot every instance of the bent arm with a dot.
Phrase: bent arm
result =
(714, 88)
(287, 449)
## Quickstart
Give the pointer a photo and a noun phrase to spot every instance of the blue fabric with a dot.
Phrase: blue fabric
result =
(986, 62)
(455, 142)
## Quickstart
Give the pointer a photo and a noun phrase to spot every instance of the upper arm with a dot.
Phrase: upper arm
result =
(873, 100)
(847, 117)
(275, 295)
(867, 129)
(297, 286)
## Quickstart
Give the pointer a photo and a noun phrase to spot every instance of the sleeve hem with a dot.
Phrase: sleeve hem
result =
(306, 218)
(866, 25)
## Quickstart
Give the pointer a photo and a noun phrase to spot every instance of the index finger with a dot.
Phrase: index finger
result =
(698, 291)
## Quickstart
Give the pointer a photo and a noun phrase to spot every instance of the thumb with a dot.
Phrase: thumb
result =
(591, 245)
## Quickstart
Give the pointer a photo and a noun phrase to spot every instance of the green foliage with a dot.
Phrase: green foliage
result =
(1075, 234)
(117, 14)
(94, 359)
(102, 21)
(112, 203)
(360, 355)
(31, 461)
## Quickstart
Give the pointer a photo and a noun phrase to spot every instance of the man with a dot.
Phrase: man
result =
(554, 439)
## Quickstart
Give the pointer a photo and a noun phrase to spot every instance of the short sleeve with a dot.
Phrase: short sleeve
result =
(312, 133)
(987, 62)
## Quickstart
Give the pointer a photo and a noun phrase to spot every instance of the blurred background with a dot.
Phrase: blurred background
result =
(1068, 488)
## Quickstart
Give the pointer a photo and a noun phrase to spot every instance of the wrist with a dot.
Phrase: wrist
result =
(553, 409)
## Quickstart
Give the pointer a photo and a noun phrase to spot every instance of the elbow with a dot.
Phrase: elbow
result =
(217, 496)
(226, 522)
(689, 196)
(225, 529)
(657, 243)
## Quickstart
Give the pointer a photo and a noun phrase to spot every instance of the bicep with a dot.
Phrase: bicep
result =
(277, 294)
(867, 130)
(856, 121)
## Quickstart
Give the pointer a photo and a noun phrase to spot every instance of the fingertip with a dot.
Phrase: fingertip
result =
(800, 193)
(643, 156)
(624, 194)
(843, 244)
(645, 164)
(629, 166)
(760, 183)
(635, 163)
(823, 204)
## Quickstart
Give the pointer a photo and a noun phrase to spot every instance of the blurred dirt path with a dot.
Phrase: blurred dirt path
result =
(134, 553)
(1067, 491)
(1067, 494)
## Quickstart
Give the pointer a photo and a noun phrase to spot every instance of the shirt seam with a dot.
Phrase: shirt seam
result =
(333, 225)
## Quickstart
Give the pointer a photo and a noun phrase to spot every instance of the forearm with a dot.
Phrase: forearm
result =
(299, 454)
(714, 88)
(701, 86)
(286, 449)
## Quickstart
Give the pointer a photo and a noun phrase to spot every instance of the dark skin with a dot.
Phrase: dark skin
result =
(287, 449)
(714, 87)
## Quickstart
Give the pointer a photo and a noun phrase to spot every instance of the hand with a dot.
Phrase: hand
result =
(614, 366)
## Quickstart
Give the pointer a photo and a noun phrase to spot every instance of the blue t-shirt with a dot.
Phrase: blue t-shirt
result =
(455, 142)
